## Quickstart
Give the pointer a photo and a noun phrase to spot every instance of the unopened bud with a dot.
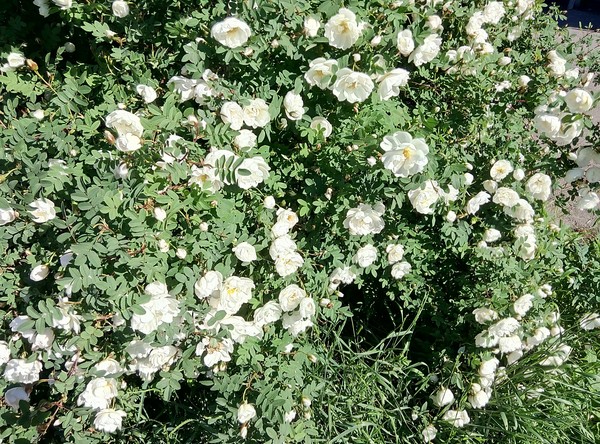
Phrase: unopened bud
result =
(32, 65)
(109, 137)
(312, 358)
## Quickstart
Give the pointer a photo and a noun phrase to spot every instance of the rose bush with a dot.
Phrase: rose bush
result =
(201, 199)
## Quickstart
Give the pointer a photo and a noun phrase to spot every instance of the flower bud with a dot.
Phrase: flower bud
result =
(312, 358)
(376, 40)
(109, 137)
(306, 402)
(32, 65)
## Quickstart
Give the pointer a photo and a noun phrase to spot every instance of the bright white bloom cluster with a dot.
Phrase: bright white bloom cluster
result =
(457, 418)
(129, 130)
(43, 210)
(98, 393)
(365, 219)
(365, 256)
(283, 249)
(197, 89)
(148, 360)
(342, 30)
(14, 61)
(403, 155)
(352, 86)
(160, 309)
(21, 371)
(231, 32)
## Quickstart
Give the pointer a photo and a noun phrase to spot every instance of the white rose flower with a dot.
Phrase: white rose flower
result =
(519, 174)
(233, 114)
(589, 321)
(322, 124)
(39, 273)
(458, 418)
(147, 93)
(21, 371)
(405, 42)
(522, 211)
(307, 308)
(15, 60)
(486, 340)
(510, 344)
(245, 140)
(294, 106)
(120, 8)
(400, 269)
(183, 86)
(121, 171)
(245, 413)
(522, 305)
(547, 124)
(13, 396)
(209, 285)
(478, 398)
(423, 198)
(251, 172)
(342, 30)
(267, 314)
(256, 113)
(365, 219)
(206, 178)
(404, 156)
(43, 341)
(235, 292)
(159, 214)
(500, 170)
(490, 186)
(288, 263)
(539, 186)
(124, 122)
(43, 210)
(568, 132)
(7, 215)
(245, 252)
(579, 100)
(352, 86)
(505, 196)
(289, 416)
(484, 315)
(493, 12)
(181, 253)
(429, 433)
(109, 420)
(63, 4)
(128, 143)
(98, 393)
(395, 253)
(365, 256)
(163, 356)
(4, 352)
(491, 235)
(290, 297)
(108, 367)
(231, 32)
(269, 202)
(427, 51)
(138, 349)
(524, 81)
(281, 246)
(434, 22)
(391, 82)
(320, 72)
(160, 309)
(311, 26)
(295, 323)
(504, 327)
(443, 397)
(488, 367)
